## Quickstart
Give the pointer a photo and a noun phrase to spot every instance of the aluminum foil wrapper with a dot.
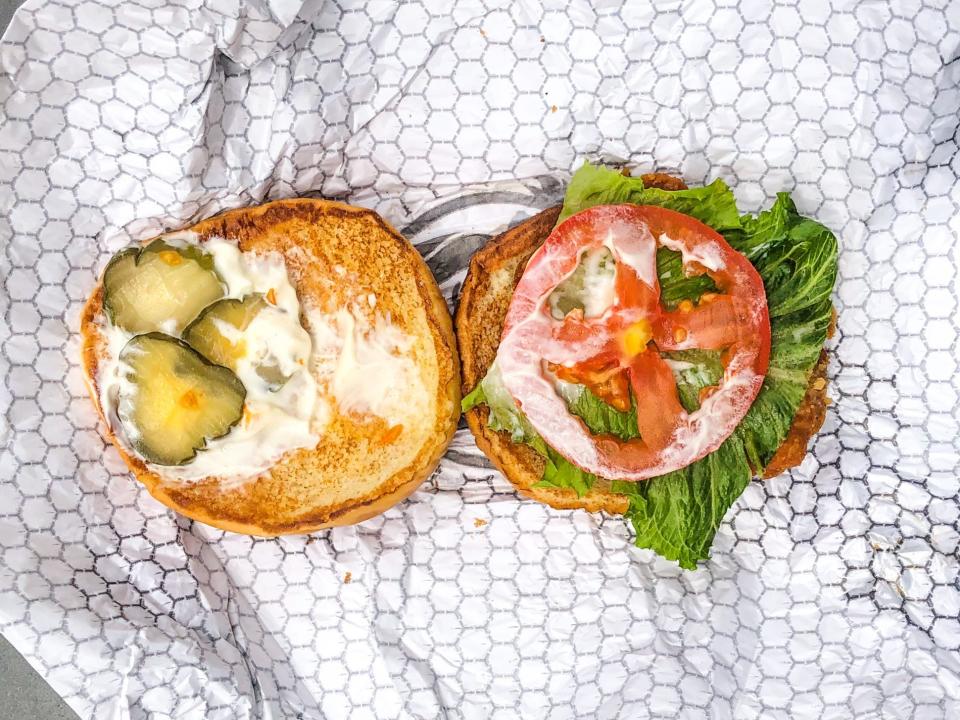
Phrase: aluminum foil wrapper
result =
(832, 592)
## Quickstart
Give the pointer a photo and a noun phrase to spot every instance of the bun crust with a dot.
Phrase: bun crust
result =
(333, 252)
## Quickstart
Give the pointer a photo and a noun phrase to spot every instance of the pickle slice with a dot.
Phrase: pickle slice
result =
(160, 287)
(174, 400)
(214, 334)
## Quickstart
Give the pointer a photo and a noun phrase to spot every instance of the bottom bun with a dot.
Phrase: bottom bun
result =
(333, 252)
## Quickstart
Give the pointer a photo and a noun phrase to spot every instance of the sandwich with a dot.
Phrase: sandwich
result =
(274, 369)
(645, 350)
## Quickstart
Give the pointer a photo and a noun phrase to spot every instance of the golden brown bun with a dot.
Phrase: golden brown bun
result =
(487, 290)
(333, 252)
(808, 420)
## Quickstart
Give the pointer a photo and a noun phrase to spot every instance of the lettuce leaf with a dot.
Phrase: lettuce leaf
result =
(504, 416)
(674, 285)
(677, 514)
(600, 418)
(694, 370)
(591, 185)
(560, 472)
(797, 259)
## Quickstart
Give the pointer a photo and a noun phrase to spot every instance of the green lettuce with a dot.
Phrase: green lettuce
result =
(598, 416)
(591, 185)
(504, 415)
(677, 514)
(674, 285)
(797, 259)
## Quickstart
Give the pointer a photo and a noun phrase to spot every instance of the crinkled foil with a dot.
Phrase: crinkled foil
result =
(832, 592)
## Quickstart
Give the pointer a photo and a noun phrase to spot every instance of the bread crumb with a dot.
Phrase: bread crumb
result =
(482, 32)
(479, 522)
(347, 578)
(553, 108)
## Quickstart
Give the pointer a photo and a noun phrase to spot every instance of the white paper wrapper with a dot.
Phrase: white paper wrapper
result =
(832, 592)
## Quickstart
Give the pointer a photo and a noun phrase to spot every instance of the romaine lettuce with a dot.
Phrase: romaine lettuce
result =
(591, 185)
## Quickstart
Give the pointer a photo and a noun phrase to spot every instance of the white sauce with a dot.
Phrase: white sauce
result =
(599, 283)
(639, 253)
(276, 421)
(707, 253)
(678, 366)
(592, 286)
(366, 367)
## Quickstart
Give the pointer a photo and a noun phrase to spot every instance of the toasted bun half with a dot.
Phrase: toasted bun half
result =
(334, 253)
(487, 290)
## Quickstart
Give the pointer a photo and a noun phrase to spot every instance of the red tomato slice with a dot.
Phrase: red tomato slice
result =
(620, 348)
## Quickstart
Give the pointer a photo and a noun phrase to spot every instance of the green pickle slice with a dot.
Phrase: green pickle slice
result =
(174, 400)
(206, 336)
(159, 287)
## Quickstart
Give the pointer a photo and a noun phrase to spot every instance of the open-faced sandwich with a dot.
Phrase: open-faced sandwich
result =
(274, 369)
(645, 350)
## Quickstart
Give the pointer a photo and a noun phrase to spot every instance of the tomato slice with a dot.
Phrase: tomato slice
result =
(618, 350)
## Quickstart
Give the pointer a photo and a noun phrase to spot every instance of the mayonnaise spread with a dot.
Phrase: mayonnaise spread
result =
(346, 364)
(366, 366)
